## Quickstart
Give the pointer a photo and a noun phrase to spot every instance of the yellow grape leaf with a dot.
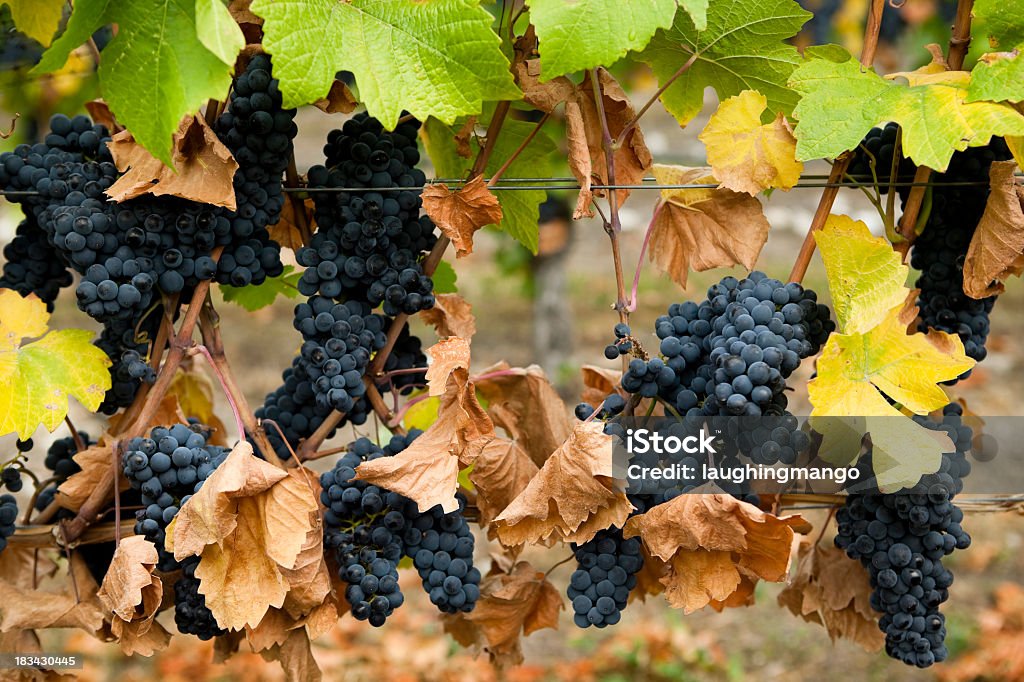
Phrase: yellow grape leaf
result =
(865, 276)
(854, 368)
(422, 414)
(38, 19)
(37, 378)
(195, 395)
(745, 155)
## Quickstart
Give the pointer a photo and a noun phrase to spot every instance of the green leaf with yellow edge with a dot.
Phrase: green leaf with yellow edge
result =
(422, 415)
(1000, 19)
(438, 58)
(256, 296)
(36, 378)
(999, 77)
(855, 369)
(38, 19)
(746, 155)
(742, 47)
(586, 33)
(865, 276)
(841, 101)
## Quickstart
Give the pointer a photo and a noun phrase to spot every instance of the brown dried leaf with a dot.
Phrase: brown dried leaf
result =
(512, 605)
(524, 403)
(194, 391)
(997, 248)
(461, 213)
(583, 129)
(100, 113)
(833, 591)
(210, 515)
(203, 171)
(95, 462)
(296, 658)
(339, 100)
(447, 355)
(130, 590)
(571, 497)
(501, 472)
(23, 608)
(286, 231)
(427, 471)
(599, 383)
(711, 541)
(144, 638)
(451, 315)
(463, 136)
(308, 578)
(649, 578)
(701, 229)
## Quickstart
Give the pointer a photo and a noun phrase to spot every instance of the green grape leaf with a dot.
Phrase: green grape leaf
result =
(998, 77)
(37, 377)
(742, 48)
(218, 31)
(257, 296)
(841, 101)
(38, 19)
(437, 58)
(444, 278)
(1001, 20)
(587, 33)
(521, 207)
(155, 70)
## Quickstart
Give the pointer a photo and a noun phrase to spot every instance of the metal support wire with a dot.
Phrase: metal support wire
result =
(526, 184)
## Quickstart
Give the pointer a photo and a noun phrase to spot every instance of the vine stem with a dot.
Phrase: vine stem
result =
(75, 436)
(654, 98)
(959, 42)
(213, 350)
(839, 166)
(519, 150)
(180, 343)
(643, 250)
(291, 176)
(612, 226)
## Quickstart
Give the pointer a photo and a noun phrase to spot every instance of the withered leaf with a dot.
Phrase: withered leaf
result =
(211, 513)
(204, 169)
(997, 248)
(583, 129)
(834, 591)
(194, 391)
(701, 229)
(599, 383)
(95, 462)
(571, 498)
(130, 590)
(462, 137)
(461, 213)
(339, 100)
(501, 472)
(427, 471)
(711, 542)
(36, 609)
(296, 658)
(447, 355)
(524, 403)
(142, 637)
(242, 14)
(451, 315)
(100, 113)
(286, 230)
(512, 605)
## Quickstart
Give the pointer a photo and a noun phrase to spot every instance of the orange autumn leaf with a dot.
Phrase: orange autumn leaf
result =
(428, 470)
(451, 315)
(500, 473)
(711, 543)
(339, 100)
(203, 171)
(833, 591)
(286, 230)
(571, 498)
(997, 247)
(461, 213)
(447, 355)
(130, 590)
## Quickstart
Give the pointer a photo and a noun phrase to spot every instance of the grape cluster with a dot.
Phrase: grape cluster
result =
(167, 468)
(371, 529)
(32, 266)
(872, 160)
(599, 588)
(59, 461)
(901, 539)
(126, 344)
(940, 250)
(191, 614)
(370, 244)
